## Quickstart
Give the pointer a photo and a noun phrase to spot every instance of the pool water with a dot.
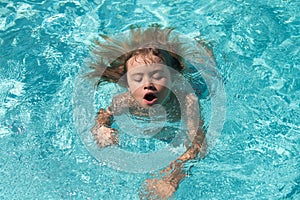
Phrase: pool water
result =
(43, 49)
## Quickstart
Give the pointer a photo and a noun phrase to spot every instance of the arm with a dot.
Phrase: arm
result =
(196, 135)
(175, 173)
(104, 135)
(165, 187)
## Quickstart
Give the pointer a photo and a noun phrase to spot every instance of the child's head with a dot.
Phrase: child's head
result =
(148, 76)
(140, 63)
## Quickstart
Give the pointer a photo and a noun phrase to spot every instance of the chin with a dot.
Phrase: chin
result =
(145, 105)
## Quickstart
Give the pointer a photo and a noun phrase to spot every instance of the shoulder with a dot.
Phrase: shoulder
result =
(119, 102)
(186, 97)
(191, 104)
(121, 97)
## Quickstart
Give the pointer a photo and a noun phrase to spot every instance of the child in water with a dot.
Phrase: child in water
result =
(146, 65)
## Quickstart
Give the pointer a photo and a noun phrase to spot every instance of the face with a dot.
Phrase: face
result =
(148, 83)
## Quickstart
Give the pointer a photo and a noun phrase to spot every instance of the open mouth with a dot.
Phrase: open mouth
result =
(150, 98)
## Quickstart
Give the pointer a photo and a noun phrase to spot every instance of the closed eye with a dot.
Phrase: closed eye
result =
(137, 77)
(158, 75)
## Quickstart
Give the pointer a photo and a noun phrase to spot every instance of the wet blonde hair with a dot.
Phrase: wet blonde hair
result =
(110, 57)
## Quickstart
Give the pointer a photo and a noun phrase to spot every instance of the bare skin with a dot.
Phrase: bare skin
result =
(172, 175)
(147, 87)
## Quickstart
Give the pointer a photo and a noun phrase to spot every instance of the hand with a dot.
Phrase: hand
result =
(104, 136)
(157, 189)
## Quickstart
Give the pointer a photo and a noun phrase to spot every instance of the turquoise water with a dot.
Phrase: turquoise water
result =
(43, 47)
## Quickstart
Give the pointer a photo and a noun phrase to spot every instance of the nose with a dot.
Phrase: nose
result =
(149, 86)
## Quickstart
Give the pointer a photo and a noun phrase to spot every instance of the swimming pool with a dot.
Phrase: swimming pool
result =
(44, 45)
